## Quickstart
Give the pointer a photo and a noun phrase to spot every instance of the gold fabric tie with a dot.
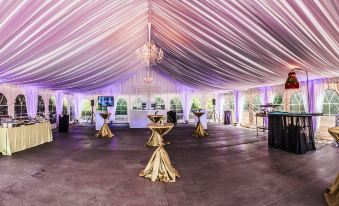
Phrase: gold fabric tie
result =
(199, 130)
(334, 131)
(332, 193)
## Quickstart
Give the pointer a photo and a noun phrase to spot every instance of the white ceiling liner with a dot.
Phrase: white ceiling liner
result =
(208, 45)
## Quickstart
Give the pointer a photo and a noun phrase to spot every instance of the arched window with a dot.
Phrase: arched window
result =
(41, 106)
(86, 109)
(175, 105)
(331, 102)
(20, 109)
(3, 105)
(139, 103)
(278, 100)
(64, 107)
(297, 103)
(121, 110)
(52, 110)
(256, 103)
(159, 103)
(196, 104)
(246, 104)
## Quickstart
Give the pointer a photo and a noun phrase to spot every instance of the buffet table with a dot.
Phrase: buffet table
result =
(138, 118)
(291, 132)
(20, 138)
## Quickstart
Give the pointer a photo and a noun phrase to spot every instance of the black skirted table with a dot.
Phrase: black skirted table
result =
(227, 117)
(291, 132)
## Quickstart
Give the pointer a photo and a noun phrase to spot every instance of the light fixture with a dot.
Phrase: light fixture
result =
(149, 54)
(148, 79)
(292, 83)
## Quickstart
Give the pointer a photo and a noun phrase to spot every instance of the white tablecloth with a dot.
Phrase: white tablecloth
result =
(139, 119)
(20, 138)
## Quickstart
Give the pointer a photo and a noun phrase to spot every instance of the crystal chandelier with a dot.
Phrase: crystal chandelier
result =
(149, 53)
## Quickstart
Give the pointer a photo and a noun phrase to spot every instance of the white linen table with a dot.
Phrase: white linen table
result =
(20, 138)
(139, 119)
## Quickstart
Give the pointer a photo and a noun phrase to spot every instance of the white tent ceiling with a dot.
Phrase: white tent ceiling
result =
(85, 45)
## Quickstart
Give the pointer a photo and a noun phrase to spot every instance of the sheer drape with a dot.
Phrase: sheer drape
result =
(305, 96)
(31, 95)
(317, 92)
(238, 105)
(78, 99)
(186, 101)
(59, 97)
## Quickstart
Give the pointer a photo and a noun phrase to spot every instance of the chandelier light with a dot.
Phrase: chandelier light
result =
(148, 79)
(149, 54)
(292, 81)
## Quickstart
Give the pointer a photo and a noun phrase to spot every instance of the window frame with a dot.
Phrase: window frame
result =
(22, 105)
(300, 103)
(330, 102)
(3, 105)
(41, 106)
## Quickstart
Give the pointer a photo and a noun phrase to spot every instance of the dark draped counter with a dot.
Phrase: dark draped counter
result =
(292, 132)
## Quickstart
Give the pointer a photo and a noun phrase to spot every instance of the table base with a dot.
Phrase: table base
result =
(199, 131)
(334, 131)
(332, 195)
(155, 140)
(159, 167)
(105, 132)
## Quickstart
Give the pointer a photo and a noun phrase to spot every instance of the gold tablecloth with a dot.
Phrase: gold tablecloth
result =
(154, 139)
(20, 138)
(159, 167)
(199, 129)
(334, 131)
(105, 131)
(332, 194)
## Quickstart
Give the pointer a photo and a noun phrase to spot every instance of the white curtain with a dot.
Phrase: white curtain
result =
(305, 92)
(59, 97)
(186, 101)
(317, 92)
(31, 95)
(112, 110)
(219, 101)
(238, 105)
(78, 98)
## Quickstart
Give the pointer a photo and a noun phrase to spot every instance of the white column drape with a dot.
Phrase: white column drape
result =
(219, 105)
(238, 105)
(186, 101)
(317, 92)
(59, 97)
(113, 109)
(78, 98)
(304, 92)
(31, 95)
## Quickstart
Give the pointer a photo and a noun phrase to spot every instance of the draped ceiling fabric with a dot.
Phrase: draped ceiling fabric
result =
(215, 45)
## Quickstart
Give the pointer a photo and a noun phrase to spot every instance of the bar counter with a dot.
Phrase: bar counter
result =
(292, 132)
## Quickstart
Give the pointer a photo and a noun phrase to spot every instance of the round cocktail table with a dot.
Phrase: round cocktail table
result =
(105, 132)
(199, 129)
(159, 167)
